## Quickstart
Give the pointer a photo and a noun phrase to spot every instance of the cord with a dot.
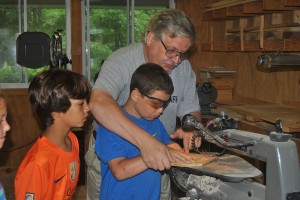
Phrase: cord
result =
(172, 175)
(9, 151)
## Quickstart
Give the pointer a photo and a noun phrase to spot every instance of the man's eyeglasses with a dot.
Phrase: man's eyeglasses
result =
(171, 53)
(157, 103)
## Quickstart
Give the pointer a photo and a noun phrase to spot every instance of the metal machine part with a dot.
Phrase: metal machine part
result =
(221, 122)
(37, 49)
(211, 188)
(57, 58)
(217, 123)
(56, 48)
(33, 49)
(190, 122)
(207, 95)
(277, 151)
(278, 60)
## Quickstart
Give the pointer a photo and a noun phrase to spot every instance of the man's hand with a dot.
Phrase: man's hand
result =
(187, 139)
(156, 155)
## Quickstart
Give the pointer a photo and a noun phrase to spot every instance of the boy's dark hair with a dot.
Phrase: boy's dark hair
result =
(151, 77)
(51, 91)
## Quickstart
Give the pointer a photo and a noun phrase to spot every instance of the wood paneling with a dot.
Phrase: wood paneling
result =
(279, 5)
(76, 36)
(281, 85)
(24, 131)
(24, 128)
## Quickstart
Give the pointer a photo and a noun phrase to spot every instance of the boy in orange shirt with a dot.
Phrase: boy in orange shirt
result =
(50, 169)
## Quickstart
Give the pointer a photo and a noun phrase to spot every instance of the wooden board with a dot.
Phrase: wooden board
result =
(225, 3)
(199, 160)
(227, 167)
(273, 27)
(290, 117)
(278, 5)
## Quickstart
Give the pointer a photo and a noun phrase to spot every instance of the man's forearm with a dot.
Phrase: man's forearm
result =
(107, 112)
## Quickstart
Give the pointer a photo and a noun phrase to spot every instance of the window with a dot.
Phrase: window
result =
(107, 29)
(37, 18)
(8, 32)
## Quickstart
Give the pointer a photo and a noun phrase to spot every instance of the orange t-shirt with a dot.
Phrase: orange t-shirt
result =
(48, 172)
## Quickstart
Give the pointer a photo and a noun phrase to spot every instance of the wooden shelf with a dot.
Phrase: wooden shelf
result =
(281, 4)
(224, 4)
(253, 25)
(266, 5)
(293, 27)
(256, 7)
(287, 45)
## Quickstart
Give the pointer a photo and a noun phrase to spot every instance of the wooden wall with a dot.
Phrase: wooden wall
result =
(24, 131)
(251, 85)
(24, 127)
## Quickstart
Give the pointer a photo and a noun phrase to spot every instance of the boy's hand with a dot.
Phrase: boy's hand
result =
(187, 139)
(177, 154)
(176, 146)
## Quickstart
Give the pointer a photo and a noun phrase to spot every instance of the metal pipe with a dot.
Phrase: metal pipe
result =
(278, 60)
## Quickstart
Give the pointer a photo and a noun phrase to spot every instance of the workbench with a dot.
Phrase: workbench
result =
(261, 118)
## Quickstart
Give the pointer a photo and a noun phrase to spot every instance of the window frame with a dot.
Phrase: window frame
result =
(86, 69)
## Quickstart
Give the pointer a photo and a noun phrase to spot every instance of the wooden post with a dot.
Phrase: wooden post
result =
(261, 31)
(76, 36)
(211, 38)
(242, 36)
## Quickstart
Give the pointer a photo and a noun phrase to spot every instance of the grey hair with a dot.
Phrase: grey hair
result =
(170, 22)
